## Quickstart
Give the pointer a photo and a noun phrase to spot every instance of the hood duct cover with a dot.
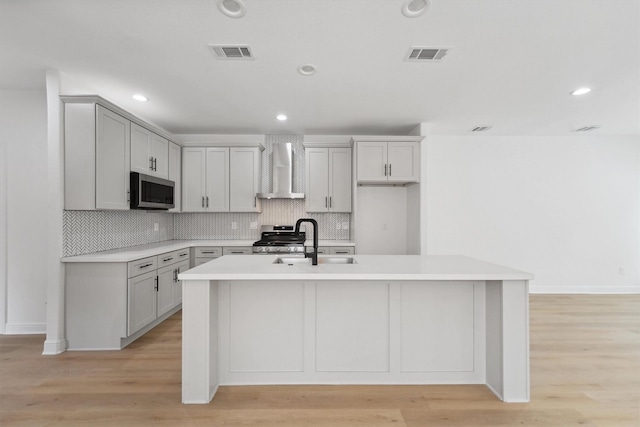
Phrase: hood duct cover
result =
(282, 174)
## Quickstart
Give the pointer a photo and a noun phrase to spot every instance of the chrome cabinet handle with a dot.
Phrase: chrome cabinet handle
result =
(156, 283)
(167, 259)
(183, 255)
(207, 201)
(145, 266)
(389, 169)
(385, 169)
(155, 164)
(203, 201)
(128, 196)
(325, 201)
(150, 163)
(330, 202)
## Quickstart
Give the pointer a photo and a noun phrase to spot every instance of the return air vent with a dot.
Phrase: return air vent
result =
(426, 54)
(587, 128)
(480, 128)
(232, 52)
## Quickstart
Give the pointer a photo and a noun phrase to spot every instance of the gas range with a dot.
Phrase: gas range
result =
(279, 239)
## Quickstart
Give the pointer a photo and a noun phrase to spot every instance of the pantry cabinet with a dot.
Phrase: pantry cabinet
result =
(221, 179)
(388, 161)
(328, 179)
(149, 152)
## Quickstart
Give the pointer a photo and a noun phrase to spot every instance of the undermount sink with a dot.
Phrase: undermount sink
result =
(321, 260)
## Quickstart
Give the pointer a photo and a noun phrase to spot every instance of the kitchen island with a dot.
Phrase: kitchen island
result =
(365, 319)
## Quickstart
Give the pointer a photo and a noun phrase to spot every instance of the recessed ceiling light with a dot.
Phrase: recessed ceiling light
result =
(140, 97)
(232, 8)
(414, 8)
(307, 69)
(281, 117)
(581, 91)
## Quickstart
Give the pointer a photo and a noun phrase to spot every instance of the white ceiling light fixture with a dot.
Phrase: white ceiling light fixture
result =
(140, 97)
(307, 69)
(581, 91)
(232, 8)
(415, 8)
(281, 117)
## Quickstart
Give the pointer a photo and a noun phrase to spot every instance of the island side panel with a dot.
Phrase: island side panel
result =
(199, 340)
(507, 323)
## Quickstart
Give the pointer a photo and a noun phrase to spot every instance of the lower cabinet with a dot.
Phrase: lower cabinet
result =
(336, 250)
(109, 305)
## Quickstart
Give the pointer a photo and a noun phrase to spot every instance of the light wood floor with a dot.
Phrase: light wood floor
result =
(585, 370)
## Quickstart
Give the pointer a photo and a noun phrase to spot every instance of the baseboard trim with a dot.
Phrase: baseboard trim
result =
(53, 347)
(25, 328)
(584, 289)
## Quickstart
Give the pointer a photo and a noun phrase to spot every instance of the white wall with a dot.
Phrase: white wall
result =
(566, 209)
(23, 134)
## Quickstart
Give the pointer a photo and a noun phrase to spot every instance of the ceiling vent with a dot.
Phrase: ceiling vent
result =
(426, 54)
(480, 128)
(587, 128)
(232, 52)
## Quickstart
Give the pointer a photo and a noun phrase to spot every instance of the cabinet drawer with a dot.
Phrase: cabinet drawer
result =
(208, 252)
(173, 257)
(342, 250)
(322, 250)
(140, 266)
(237, 250)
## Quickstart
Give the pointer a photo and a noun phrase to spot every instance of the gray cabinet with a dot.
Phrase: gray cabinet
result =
(328, 179)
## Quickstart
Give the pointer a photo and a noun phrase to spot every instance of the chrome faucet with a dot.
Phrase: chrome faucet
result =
(314, 255)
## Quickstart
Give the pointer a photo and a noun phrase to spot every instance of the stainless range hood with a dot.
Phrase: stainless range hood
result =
(282, 174)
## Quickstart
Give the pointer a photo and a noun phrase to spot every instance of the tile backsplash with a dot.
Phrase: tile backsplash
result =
(94, 231)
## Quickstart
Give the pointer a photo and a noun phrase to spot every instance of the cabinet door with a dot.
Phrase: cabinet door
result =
(175, 175)
(113, 143)
(141, 301)
(141, 157)
(244, 179)
(166, 276)
(371, 162)
(317, 179)
(404, 161)
(160, 155)
(177, 285)
(340, 180)
(217, 180)
(193, 179)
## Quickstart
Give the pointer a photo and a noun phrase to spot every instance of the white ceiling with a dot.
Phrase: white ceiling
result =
(511, 65)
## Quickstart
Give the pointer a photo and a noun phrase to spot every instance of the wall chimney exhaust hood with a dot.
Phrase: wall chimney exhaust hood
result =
(282, 174)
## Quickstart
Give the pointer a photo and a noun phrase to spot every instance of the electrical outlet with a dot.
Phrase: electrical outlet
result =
(345, 225)
(253, 225)
(234, 225)
(156, 226)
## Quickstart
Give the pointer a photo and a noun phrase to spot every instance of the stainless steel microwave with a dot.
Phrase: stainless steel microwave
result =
(151, 193)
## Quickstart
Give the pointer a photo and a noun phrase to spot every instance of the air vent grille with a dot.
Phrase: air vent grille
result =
(426, 54)
(587, 128)
(232, 52)
(480, 128)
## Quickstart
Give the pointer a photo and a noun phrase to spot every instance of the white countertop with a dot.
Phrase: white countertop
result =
(367, 267)
(133, 253)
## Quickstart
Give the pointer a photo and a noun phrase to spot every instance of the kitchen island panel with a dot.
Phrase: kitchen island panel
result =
(352, 327)
(266, 326)
(438, 326)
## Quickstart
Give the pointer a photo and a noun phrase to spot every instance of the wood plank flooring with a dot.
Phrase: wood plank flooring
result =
(585, 370)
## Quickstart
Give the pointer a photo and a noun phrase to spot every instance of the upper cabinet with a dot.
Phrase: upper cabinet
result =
(97, 144)
(327, 179)
(221, 179)
(103, 144)
(175, 175)
(396, 161)
(149, 152)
